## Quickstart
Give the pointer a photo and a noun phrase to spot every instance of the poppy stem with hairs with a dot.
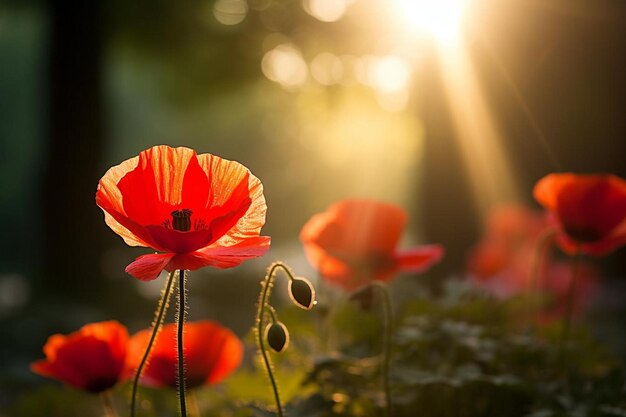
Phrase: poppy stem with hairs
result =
(387, 324)
(262, 307)
(182, 311)
(109, 410)
(535, 268)
(164, 302)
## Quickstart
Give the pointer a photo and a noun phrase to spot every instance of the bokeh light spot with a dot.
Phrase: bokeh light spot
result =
(326, 10)
(327, 69)
(387, 74)
(230, 12)
(284, 64)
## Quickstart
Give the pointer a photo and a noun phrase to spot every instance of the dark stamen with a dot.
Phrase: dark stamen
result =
(181, 220)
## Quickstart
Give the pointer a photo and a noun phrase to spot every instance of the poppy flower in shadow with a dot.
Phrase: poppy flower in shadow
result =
(198, 210)
(91, 359)
(211, 352)
(588, 210)
(501, 262)
(355, 242)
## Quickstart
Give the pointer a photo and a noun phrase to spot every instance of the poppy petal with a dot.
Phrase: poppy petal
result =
(225, 256)
(226, 176)
(230, 356)
(419, 259)
(109, 199)
(590, 210)
(155, 187)
(179, 242)
(58, 370)
(91, 359)
(211, 353)
(148, 267)
(357, 227)
(52, 345)
(196, 186)
(224, 217)
(214, 352)
(111, 332)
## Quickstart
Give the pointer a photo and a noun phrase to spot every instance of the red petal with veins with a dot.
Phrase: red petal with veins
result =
(148, 267)
(227, 204)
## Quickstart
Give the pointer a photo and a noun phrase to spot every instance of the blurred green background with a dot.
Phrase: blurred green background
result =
(321, 99)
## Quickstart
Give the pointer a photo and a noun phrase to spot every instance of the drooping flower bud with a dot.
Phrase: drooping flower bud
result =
(277, 336)
(302, 292)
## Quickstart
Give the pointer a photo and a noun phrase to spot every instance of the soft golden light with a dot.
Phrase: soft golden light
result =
(285, 65)
(326, 10)
(440, 19)
(327, 69)
(479, 139)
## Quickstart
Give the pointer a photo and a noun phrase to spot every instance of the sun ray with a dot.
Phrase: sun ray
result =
(479, 139)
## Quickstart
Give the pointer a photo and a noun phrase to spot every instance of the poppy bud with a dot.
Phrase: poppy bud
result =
(277, 336)
(302, 292)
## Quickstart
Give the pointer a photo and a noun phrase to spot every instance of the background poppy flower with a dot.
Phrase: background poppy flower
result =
(354, 242)
(502, 261)
(211, 352)
(91, 359)
(198, 210)
(588, 210)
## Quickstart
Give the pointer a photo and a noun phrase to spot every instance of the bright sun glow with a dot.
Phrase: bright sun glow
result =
(440, 19)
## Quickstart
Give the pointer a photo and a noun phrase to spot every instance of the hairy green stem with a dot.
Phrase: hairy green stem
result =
(387, 323)
(164, 302)
(268, 282)
(182, 312)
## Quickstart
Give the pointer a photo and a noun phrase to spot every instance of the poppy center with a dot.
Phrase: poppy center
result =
(181, 220)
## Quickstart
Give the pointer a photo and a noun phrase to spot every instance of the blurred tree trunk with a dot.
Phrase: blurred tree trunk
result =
(75, 142)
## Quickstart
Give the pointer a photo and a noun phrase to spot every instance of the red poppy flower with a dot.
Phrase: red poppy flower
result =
(589, 210)
(354, 242)
(502, 260)
(501, 263)
(199, 210)
(211, 352)
(91, 359)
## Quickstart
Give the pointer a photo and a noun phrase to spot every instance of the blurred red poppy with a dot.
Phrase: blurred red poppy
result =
(354, 242)
(199, 210)
(211, 353)
(502, 262)
(588, 210)
(91, 359)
